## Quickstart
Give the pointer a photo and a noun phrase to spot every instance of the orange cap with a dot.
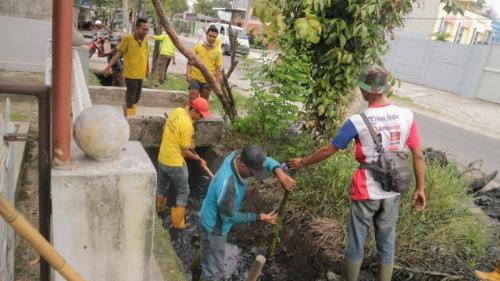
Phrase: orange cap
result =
(201, 105)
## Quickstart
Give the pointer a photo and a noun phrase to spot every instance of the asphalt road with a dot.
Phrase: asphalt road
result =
(462, 145)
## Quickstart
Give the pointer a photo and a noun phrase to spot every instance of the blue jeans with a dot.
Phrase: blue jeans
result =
(384, 214)
(176, 177)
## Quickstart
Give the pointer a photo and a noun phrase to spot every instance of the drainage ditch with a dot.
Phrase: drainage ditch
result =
(296, 259)
(309, 247)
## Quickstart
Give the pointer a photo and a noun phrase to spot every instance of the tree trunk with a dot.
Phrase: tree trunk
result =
(195, 61)
(156, 52)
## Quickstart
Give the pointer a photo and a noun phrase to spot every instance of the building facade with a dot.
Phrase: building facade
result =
(429, 20)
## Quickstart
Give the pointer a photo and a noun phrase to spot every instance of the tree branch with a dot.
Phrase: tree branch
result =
(192, 58)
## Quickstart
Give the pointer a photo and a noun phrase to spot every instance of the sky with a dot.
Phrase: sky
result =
(495, 4)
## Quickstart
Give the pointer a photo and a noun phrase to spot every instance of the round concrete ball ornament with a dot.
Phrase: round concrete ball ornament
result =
(101, 132)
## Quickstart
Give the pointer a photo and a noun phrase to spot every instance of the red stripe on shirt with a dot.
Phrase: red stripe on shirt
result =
(413, 140)
(359, 191)
(358, 153)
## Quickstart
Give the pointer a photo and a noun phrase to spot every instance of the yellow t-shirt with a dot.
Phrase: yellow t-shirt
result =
(167, 47)
(218, 41)
(135, 57)
(177, 134)
(211, 57)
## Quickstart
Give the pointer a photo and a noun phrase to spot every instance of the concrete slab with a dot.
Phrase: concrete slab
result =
(103, 215)
(149, 130)
(155, 271)
(149, 97)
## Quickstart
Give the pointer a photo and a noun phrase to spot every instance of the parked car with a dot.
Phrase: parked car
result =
(243, 43)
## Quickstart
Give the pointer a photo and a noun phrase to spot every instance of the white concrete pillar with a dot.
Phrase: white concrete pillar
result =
(103, 215)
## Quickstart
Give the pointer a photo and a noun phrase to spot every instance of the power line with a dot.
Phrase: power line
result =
(422, 18)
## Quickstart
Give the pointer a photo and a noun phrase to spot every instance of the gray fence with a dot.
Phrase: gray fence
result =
(490, 77)
(450, 67)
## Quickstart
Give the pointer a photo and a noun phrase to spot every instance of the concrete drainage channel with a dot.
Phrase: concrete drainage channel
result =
(297, 259)
(244, 242)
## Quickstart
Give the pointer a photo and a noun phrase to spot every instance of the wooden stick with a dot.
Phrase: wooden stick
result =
(36, 240)
(256, 269)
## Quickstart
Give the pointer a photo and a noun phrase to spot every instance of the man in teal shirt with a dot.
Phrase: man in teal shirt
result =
(167, 54)
(222, 203)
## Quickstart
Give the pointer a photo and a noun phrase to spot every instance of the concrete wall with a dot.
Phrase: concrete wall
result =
(149, 130)
(422, 19)
(29, 9)
(149, 97)
(441, 65)
(25, 43)
(490, 78)
(103, 215)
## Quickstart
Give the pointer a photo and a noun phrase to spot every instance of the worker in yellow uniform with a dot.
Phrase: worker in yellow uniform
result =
(175, 146)
(211, 56)
(135, 52)
(167, 54)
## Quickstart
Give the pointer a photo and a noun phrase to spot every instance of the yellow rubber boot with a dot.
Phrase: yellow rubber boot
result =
(351, 271)
(489, 276)
(161, 203)
(385, 272)
(131, 111)
(178, 217)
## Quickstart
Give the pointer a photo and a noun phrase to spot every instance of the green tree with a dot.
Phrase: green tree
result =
(106, 9)
(176, 6)
(205, 7)
(340, 38)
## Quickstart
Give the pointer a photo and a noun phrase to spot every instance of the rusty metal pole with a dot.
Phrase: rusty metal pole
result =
(62, 14)
(61, 80)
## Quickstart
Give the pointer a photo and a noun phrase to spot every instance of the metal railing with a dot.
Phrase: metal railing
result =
(42, 93)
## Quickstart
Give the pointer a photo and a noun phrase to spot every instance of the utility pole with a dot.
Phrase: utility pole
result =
(248, 13)
(125, 17)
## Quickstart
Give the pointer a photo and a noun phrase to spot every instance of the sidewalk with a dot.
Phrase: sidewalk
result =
(468, 113)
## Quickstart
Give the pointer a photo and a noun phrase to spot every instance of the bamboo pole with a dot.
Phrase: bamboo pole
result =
(36, 240)
(279, 224)
(256, 269)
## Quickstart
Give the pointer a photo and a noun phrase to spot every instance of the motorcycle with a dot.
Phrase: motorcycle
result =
(104, 45)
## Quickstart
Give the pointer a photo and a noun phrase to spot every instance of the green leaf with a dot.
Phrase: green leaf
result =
(342, 41)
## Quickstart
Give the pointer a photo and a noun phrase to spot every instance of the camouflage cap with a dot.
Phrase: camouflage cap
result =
(373, 80)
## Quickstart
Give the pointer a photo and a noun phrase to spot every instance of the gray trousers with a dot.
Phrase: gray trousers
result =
(175, 177)
(212, 254)
(384, 215)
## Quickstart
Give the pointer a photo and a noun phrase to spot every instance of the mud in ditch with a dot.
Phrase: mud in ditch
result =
(308, 247)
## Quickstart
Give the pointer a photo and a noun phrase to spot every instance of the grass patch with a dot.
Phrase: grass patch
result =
(173, 82)
(447, 237)
(170, 266)
(240, 99)
(94, 79)
(18, 117)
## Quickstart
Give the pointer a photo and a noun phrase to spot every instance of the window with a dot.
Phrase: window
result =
(444, 26)
(460, 33)
(473, 36)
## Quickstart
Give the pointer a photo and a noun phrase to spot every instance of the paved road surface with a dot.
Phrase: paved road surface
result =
(462, 145)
